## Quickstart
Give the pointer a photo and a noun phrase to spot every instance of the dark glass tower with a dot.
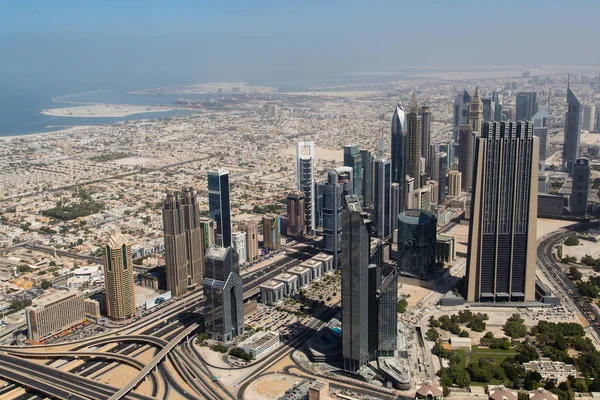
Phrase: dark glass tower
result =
(339, 184)
(417, 233)
(219, 205)
(581, 187)
(383, 196)
(572, 132)
(502, 232)
(399, 153)
(353, 159)
(387, 302)
(223, 294)
(367, 183)
(526, 106)
(426, 137)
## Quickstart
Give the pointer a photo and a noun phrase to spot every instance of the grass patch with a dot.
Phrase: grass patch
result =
(462, 356)
(477, 349)
(497, 357)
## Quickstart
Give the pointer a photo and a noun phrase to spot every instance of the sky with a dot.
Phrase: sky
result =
(76, 43)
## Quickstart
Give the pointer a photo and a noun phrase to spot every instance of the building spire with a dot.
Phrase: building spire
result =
(414, 105)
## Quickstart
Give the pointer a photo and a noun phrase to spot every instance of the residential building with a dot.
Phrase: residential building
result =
(223, 294)
(118, 278)
(251, 229)
(305, 179)
(416, 243)
(465, 157)
(502, 233)
(271, 236)
(219, 205)
(208, 228)
(581, 187)
(54, 312)
(572, 132)
(445, 248)
(589, 115)
(92, 308)
(238, 242)
(454, 183)
(318, 390)
(176, 257)
(439, 171)
(296, 214)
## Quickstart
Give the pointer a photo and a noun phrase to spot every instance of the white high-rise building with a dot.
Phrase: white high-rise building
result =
(589, 114)
(305, 179)
(540, 129)
(238, 242)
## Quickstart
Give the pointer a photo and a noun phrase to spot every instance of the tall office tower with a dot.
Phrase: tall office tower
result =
(598, 121)
(271, 235)
(353, 159)
(383, 185)
(339, 184)
(589, 113)
(454, 183)
(355, 253)
(476, 112)
(465, 158)
(223, 294)
(394, 210)
(581, 187)
(194, 243)
(416, 243)
(399, 152)
(502, 232)
(219, 205)
(497, 98)
(208, 227)
(526, 105)
(410, 192)
(387, 319)
(118, 278)
(489, 108)
(318, 206)
(367, 183)
(433, 190)
(462, 106)
(440, 167)
(238, 242)
(374, 283)
(540, 129)
(422, 198)
(251, 229)
(305, 179)
(296, 216)
(572, 131)
(413, 141)
(426, 137)
(176, 257)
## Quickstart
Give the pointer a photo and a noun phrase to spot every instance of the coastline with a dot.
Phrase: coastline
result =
(103, 110)
(36, 135)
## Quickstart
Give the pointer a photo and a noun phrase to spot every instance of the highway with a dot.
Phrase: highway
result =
(556, 273)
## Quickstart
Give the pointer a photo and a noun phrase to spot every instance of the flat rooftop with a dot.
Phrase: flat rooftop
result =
(272, 284)
(53, 296)
(259, 339)
(298, 269)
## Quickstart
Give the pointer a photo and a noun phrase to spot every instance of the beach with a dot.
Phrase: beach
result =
(103, 111)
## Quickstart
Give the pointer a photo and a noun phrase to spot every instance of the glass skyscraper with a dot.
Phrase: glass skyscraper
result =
(383, 196)
(526, 106)
(399, 152)
(339, 184)
(417, 233)
(367, 183)
(305, 181)
(219, 205)
(572, 132)
(353, 159)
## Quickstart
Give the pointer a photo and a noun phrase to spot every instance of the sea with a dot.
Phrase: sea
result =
(21, 105)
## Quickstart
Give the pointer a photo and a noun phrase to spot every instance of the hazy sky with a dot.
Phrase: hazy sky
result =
(60, 42)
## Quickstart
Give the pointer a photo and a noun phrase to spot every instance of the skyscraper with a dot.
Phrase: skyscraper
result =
(238, 242)
(399, 152)
(526, 105)
(296, 216)
(353, 159)
(223, 295)
(194, 245)
(589, 114)
(581, 187)
(462, 105)
(440, 167)
(426, 137)
(394, 211)
(339, 184)
(476, 112)
(572, 131)
(305, 179)
(413, 141)
(416, 242)
(383, 184)
(454, 183)
(502, 233)
(176, 257)
(367, 184)
(497, 98)
(540, 129)
(208, 227)
(219, 205)
(251, 229)
(355, 246)
(465, 157)
(118, 278)
(271, 235)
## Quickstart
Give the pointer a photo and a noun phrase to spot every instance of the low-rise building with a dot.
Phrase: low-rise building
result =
(318, 390)
(302, 273)
(290, 281)
(260, 343)
(272, 292)
(429, 391)
(315, 267)
(501, 393)
(551, 370)
(542, 394)
(326, 260)
(54, 312)
(445, 248)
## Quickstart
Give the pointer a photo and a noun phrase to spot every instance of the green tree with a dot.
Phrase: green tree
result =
(432, 334)
(46, 284)
(574, 272)
(402, 304)
(572, 240)
(515, 327)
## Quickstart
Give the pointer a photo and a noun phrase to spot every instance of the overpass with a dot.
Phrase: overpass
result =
(157, 359)
(82, 354)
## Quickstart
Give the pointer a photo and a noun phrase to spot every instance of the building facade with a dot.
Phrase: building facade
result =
(339, 181)
(413, 141)
(118, 278)
(176, 258)
(399, 153)
(367, 183)
(383, 197)
(223, 295)
(526, 106)
(454, 183)
(416, 243)
(54, 312)
(219, 205)
(305, 179)
(540, 129)
(465, 157)
(251, 229)
(426, 138)
(353, 159)
(502, 233)
(296, 214)
(238, 242)
(581, 187)
(572, 132)
(271, 236)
